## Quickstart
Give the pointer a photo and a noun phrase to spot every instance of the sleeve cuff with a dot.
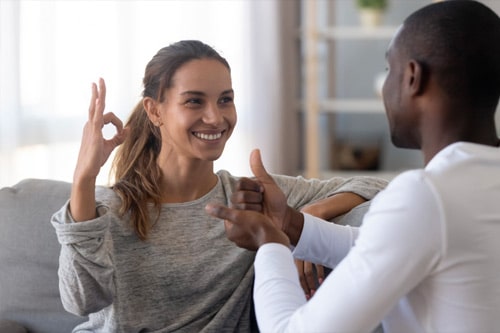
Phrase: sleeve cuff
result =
(68, 231)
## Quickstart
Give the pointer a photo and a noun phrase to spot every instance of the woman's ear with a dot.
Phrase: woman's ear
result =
(414, 77)
(151, 107)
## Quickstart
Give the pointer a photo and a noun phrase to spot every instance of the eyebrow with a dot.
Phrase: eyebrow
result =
(200, 93)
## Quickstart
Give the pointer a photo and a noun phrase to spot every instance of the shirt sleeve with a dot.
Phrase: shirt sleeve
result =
(398, 245)
(318, 234)
(85, 264)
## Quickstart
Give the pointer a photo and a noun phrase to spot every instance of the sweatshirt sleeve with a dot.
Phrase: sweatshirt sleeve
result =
(301, 191)
(85, 261)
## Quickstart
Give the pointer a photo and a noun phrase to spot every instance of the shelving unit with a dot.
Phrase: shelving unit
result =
(322, 108)
(357, 32)
(313, 105)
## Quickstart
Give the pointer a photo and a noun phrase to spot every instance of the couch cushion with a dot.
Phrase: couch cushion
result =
(29, 254)
(9, 326)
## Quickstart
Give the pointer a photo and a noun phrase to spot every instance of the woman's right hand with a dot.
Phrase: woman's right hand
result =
(94, 152)
(95, 149)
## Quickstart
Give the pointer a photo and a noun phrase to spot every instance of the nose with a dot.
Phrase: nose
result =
(213, 114)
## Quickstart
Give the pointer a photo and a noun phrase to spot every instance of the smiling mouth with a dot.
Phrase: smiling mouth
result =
(208, 137)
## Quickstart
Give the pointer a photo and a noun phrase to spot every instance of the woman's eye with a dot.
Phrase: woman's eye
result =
(193, 101)
(225, 100)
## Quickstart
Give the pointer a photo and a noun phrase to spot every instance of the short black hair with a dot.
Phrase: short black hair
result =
(459, 42)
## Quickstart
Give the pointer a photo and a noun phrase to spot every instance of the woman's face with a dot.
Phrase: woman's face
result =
(198, 112)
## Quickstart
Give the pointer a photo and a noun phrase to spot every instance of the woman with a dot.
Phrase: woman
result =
(143, 256)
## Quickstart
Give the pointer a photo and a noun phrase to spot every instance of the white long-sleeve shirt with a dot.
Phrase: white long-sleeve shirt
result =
(427, 257)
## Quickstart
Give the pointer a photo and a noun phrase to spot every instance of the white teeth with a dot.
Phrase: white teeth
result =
(208, 136)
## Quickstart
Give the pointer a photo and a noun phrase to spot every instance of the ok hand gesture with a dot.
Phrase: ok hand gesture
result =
(95, 149)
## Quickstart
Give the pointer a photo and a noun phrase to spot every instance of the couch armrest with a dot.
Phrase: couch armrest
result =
(355, 216)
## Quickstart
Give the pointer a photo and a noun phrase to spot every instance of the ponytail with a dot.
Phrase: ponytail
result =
(136, 171)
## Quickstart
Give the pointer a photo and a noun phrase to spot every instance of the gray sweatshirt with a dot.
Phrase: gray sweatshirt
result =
(187, 277)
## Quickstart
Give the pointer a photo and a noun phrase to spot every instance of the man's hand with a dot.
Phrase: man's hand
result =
(247, 228)
(259, 213)
(274, 203)
(311, 276)
(248, 195)
(263, 194)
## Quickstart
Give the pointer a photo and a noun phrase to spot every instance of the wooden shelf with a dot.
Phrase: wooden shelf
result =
(348, 105)
(357, 32)
(352, 106)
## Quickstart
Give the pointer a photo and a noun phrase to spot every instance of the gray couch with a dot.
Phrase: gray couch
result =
(29, 254)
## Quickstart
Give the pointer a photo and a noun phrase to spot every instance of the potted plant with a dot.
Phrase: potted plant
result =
(371, 11)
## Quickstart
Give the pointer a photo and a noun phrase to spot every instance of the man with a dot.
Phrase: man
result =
(426, 258)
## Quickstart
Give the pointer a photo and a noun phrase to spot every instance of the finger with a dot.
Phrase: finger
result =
(240, 197)
(93, 99)
(258, 168)
(247, 184)
(120, 137)
(309, 275)
(247, 206)
(300, 270)
(110, 117)
(117, 139)
(101, 96)
(320, 272)
(97, 101)
(222, 212)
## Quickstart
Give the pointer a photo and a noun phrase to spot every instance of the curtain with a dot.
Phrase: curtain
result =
(51, 51)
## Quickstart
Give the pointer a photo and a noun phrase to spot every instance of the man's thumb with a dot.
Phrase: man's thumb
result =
(258, 168)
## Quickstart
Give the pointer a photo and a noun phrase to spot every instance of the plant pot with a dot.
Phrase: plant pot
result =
(370, 17)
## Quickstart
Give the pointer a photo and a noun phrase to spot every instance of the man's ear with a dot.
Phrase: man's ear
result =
(414, 77)
(151, 107)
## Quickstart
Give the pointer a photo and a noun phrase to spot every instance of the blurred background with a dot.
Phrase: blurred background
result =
(290, 59)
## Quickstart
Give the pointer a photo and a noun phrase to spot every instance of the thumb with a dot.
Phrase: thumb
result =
(258, 168)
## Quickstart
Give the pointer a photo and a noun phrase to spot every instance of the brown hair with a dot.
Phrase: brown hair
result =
(135, 168)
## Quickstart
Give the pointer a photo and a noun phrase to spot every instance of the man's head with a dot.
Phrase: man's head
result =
(451, 47)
